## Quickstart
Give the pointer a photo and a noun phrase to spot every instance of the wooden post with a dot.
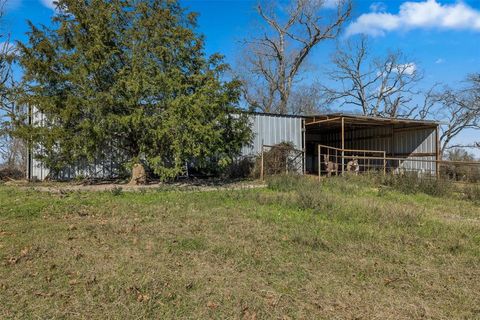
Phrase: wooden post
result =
(261, 166)
(343, 143)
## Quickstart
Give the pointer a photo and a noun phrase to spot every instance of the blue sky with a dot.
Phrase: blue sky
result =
(445, 53)
(441, 36)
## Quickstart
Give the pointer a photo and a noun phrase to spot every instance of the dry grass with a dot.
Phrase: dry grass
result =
(245, 254)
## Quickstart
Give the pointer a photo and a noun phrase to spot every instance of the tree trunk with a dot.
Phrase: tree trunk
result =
(139, 176)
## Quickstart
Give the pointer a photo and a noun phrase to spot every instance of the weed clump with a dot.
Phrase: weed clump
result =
(411, 183)
(314, 198)
(117, 191)
(285, 182)
(302, 192)
(472, 193)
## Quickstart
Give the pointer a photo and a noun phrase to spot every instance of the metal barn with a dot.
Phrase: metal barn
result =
(409, 144)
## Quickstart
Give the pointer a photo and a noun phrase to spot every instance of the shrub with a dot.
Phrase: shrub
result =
(8, 173)
(458, 171)
(280, 159)
(242, 168)
(435, 187)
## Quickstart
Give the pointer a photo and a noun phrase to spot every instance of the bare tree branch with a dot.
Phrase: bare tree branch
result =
(12, 150)
(458, 110)
(379, 86)
(272, 63)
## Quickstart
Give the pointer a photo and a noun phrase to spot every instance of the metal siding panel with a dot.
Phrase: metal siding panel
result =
(273, 130)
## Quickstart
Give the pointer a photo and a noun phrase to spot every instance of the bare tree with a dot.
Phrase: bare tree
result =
(306, 100)
(458, 110)
(12, 150)
(378, 86)
(272, 62)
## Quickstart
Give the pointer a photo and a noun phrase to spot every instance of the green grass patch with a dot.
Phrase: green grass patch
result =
(349, 247)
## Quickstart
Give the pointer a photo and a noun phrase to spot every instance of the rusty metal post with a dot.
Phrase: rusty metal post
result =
(384, 163)
(319, 162)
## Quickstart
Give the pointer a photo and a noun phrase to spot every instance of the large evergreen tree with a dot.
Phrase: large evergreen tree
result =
(132, 74)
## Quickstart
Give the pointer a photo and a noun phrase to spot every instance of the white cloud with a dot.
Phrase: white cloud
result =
(407, 68)
(440, 61)
(330, 4)
(378, 7)
(412, 15)
(48, 4)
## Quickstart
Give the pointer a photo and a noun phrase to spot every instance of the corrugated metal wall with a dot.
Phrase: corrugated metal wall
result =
(271, 130)
(37, 169)
(267, 129)
(100, 168)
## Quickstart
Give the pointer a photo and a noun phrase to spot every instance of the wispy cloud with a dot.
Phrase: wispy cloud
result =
(440, 61)
(416, 15)
(378, 7)
(407, 68)
(331, 3)
(48, 4)
(328, 4)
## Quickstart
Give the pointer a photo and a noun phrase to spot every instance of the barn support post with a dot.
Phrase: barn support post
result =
(393, 148)
(343, 144)
(304, 145)
(319, 162)
(261, 165)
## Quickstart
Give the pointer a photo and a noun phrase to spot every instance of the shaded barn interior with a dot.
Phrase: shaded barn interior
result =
(408, 144)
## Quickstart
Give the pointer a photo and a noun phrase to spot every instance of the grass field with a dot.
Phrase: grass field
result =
(341, 249)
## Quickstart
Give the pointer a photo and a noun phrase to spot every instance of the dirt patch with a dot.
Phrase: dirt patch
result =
(102, 187)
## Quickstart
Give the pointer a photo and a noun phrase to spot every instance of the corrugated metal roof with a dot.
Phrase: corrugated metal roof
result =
(375, 118)
(351, 116)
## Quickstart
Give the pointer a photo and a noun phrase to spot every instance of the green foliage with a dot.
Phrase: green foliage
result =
(458, 171)
(132, 77)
